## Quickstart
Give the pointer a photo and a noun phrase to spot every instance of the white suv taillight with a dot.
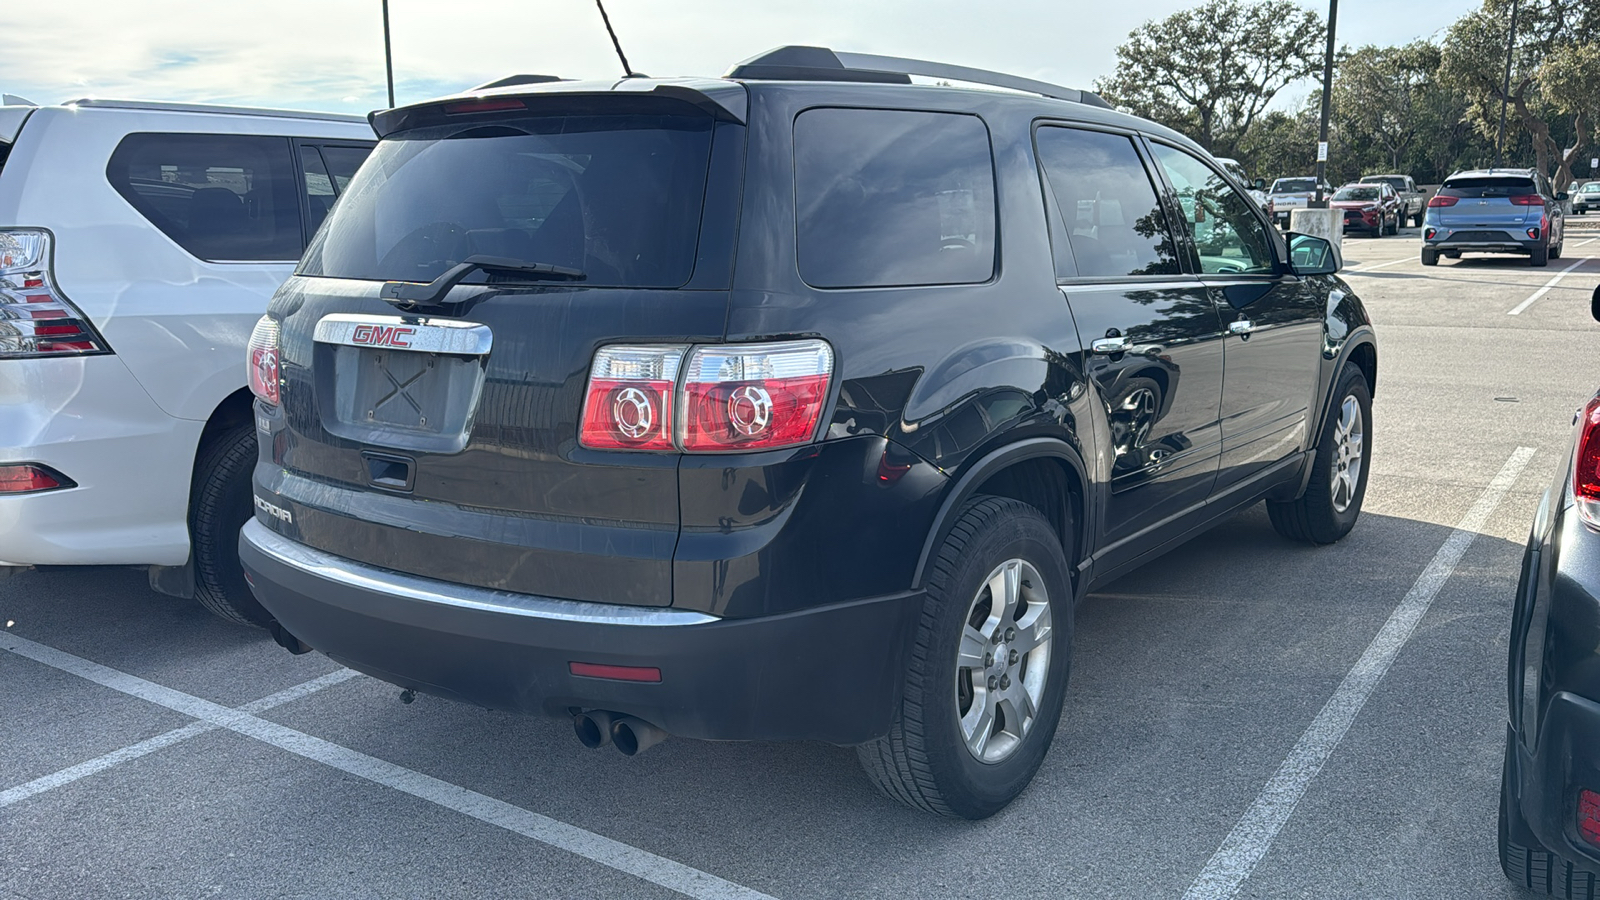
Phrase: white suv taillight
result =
(261, 360)
(35, 319)
(734, 397)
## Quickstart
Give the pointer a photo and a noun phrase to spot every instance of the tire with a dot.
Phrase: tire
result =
(1555, 252)
(1394, 224)
(926, 761)
(1416, 220)
(220, 504)
(1539, 257)
(1317, 517)
(1430, 257)
(1526, 862)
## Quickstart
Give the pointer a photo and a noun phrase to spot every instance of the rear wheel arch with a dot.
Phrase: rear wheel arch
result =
(1045, 473)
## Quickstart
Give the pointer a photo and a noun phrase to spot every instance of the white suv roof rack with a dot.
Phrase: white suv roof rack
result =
(216, 110)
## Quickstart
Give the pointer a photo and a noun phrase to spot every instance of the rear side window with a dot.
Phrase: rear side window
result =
(1487, 186)
(890, 198)
(1112, 218)
(220, 197)
(327, 172)
(618, 197)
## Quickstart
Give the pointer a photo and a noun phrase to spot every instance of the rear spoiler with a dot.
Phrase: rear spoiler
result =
(11, 119)
(724, 101)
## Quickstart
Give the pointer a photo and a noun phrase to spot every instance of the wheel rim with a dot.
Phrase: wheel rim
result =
(1347, 455)
(1003, 661)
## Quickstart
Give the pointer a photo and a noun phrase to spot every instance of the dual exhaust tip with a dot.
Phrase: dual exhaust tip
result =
(597, 728)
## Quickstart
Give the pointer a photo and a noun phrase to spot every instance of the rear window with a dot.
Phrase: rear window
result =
(618, 197)
(1488, 186)
(1293, 185)
(1398, 184)
(220, 197)
(887, 198)
(1357, 193)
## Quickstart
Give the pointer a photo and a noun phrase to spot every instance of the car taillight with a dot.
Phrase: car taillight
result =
(1586, 467)
(31, 478)
(734, 397)
(1439, 200)
(35, 318)
(755, 396)
(261, 360)
(1528, 200)
(629, 402)
(1589, 816)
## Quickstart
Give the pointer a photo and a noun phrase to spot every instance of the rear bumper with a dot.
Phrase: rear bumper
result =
(1567, 760)
(1505, 241)
(831, 673)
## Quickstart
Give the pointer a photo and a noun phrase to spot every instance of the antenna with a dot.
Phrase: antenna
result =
(388, 57)
(626, 69)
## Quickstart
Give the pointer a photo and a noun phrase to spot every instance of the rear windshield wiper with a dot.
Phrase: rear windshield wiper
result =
(411, 294)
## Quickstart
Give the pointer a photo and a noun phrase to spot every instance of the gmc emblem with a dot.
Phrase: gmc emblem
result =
(383, 335)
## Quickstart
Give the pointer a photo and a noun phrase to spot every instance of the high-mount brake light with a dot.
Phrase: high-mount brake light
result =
(755, 396)
(1586, 466)
(629, 401)
(467, 107)
(36, 319)
(261, 361)
(1438, 200)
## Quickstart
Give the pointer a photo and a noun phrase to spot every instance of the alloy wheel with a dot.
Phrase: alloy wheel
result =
(1348, 441)
(1003, 660)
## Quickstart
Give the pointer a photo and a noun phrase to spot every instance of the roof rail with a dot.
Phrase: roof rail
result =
(510, 80)
(800, 63)
(208, 108)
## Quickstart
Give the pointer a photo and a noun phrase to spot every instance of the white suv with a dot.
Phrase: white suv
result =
(139, 243)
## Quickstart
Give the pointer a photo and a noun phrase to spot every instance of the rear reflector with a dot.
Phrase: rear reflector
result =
(30, 478)
(1589, 816)
(615, 673)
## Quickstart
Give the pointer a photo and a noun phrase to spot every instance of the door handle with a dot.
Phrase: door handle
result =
(1111, 345)
(1241, 327)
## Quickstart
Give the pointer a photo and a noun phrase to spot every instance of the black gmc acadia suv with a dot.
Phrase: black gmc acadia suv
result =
(803, 403)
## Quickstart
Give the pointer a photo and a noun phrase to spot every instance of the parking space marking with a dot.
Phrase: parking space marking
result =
(150, 745)
(1255, 831)
(1517, 310)
(1362, 268)
(598, 848)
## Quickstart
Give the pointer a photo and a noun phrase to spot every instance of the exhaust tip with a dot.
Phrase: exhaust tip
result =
(634, 736)
(593, 728)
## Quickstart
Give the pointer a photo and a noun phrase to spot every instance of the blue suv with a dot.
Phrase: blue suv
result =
(1494, 211)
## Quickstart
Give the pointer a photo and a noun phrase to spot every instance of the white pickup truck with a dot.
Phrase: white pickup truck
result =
(1290, 194)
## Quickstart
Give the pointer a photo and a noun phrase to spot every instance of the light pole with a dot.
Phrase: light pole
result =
(1505, 88)
(388, 57)
(1321, 202)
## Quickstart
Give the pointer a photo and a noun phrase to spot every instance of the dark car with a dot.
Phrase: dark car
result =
(1494, 211)
(1373, 208)
(801, 404)
(1550, 783)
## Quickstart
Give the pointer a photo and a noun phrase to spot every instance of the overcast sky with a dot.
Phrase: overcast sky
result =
(328, 54)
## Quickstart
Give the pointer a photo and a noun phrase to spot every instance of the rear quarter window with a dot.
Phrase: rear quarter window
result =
(891, 198)
(220, 197)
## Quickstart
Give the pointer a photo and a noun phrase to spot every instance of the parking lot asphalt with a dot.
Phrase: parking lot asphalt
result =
(1246, 717)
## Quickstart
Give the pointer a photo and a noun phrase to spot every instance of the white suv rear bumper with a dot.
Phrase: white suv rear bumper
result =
(88, 418)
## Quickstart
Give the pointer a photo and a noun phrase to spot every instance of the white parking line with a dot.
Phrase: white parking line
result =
(1517, 310)
(1363, 268)
(598, 848)
(151, 745)
(1255, 831)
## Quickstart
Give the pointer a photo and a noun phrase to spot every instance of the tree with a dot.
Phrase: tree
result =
(1211, 71)
(1380, 98)
(1552, 95)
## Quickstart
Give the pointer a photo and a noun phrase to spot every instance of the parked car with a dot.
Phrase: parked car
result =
(139, 242)
(1494, 211)
(1289, 194)
(1550, 780)
(1373, 208)
(705, 407)
(1413, 202)
(1256, 188)
(1586, 197)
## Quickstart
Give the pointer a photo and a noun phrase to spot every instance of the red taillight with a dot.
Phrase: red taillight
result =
(261, 361)
(1589, 816)
(1527, 200)
(615, 673)
(629, 401)
(28, 478)
(1586, 466)
(1438, 200)
(478, 106)
(35, 318)
(755, 396)
(734, 397)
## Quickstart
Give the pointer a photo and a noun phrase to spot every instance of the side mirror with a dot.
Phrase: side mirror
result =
(1310, 255)
(1259, 184)
(1561, 196)
(1594, 305)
